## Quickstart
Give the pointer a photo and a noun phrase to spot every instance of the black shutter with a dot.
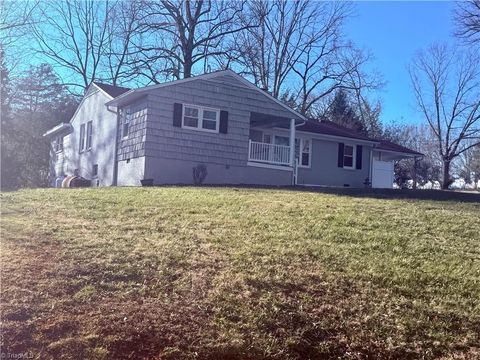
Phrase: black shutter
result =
(359, 157)
(340, 154)
(177, 114)
(223, 122)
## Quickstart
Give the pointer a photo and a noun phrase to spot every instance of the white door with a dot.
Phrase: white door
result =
(382, 174)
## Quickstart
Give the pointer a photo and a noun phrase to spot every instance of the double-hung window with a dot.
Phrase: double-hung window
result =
(58, 144)
(125, 118)
(86, 133)
(82, 138)
(200, 118)
(89, 135)
(302, 152)
(348, 156)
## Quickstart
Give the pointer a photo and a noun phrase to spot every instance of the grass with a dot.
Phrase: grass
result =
(212, 273)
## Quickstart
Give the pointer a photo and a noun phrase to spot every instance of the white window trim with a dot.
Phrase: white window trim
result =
(56, 142)
(88, 146)
(82, 144)
(354, 157)
(299, 163)
(301, 152)
(125, 120)
(201, 109)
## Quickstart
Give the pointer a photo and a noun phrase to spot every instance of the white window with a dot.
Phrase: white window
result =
(89, 135)
(58, 144)
(302, 152)
(348, 156)
(82, 138)
(282, 140)
(125, 117)
(303, 147)
(200, 118)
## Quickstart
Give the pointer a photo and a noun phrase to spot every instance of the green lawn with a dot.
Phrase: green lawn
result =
(237, 273)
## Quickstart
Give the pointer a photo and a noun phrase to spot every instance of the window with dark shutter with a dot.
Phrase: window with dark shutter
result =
(340, 154)
(359, 157)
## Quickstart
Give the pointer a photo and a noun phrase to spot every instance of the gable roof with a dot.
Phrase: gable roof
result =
(111, 90)
(134, 93)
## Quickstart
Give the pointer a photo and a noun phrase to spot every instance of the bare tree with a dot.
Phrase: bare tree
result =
(14, 17)
(446, 83)
(342, 67)
(73, 36)
(269, 52)
(468, 166)
(188, 33)
(467, 17)
(301, 44)
(126, 25)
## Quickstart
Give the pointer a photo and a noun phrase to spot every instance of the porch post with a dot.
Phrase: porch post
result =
(292, 142)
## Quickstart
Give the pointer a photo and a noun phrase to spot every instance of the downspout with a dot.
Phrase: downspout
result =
(292, 149)
(371, 167)
(293, 161)
(115, 162)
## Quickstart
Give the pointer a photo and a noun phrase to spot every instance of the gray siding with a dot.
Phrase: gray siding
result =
(163, 140)
(171, 171)
(324, 169)
(133, 146)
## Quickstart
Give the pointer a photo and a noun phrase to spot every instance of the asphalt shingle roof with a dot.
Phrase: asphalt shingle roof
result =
(111, 90)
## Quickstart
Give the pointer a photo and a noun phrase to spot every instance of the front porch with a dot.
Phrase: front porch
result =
(269, 153)
(263, 149)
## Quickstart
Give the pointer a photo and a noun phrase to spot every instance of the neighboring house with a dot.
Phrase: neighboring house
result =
(238, 132)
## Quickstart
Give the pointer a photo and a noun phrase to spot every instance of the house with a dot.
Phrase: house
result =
(219, 121)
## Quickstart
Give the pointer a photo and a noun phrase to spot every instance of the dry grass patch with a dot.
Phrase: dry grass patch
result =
(238, 273)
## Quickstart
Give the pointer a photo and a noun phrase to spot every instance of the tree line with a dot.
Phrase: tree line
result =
(297, 51)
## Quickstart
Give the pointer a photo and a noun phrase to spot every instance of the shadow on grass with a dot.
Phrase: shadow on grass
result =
(435, 195)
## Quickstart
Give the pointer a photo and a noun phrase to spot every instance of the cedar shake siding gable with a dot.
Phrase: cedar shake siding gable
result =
(133, 145)
(228, 146)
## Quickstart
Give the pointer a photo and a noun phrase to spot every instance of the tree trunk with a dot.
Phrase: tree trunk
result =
(187, 67)
(446, 174)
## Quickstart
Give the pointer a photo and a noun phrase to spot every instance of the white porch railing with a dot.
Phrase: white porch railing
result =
(268, 153)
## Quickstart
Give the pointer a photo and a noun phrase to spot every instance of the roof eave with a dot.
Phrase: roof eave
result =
(58, 129)
(119, 100)
(406, 154)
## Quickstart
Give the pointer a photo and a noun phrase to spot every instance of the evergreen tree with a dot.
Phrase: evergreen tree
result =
(40, 102)
(341, 112)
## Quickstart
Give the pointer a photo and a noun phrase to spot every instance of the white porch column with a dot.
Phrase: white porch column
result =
(292, 142)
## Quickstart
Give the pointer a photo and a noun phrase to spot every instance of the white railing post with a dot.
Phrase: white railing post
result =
(268, 153)
(249, 149)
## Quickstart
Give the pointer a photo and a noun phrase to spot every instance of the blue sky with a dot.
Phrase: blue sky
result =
(393, 31)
